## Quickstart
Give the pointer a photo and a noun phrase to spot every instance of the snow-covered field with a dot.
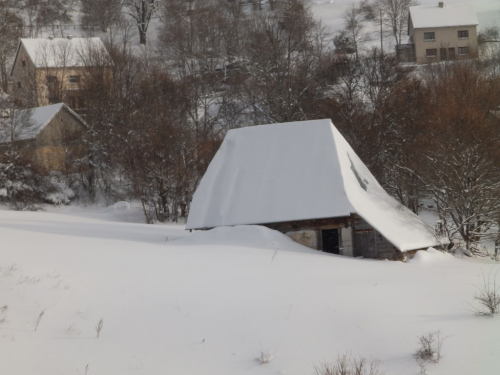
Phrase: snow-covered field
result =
(209, 302)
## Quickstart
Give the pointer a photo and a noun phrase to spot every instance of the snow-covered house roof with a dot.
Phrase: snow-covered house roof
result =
(58, 52)
(425, 16)
(39, 118)
(298, 171)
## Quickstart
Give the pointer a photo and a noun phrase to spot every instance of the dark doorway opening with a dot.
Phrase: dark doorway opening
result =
(451, 53)
(442, 54)
(330, 240)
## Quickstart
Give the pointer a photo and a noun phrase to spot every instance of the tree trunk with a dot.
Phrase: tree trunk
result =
(142, 35)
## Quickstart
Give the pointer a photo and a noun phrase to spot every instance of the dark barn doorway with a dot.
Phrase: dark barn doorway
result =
(330, 241)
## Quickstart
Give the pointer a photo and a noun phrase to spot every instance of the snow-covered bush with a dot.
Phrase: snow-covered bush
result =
(265, 357)
(429, 349)
(488, 296)
(26, 190)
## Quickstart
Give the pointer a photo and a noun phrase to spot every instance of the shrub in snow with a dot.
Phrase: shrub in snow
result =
(348, 365)
(98, 327)
(488, 296)
(61, 195)
(265, 357)
(429, 349)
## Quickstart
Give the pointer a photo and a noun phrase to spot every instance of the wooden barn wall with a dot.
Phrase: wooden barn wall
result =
(60, 143)
(357, 237)
(369, 243)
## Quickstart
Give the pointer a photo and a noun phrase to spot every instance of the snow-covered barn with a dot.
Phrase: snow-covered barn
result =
(48, 138)
(305, 180)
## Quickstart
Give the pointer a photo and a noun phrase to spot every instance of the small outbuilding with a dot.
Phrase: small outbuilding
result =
(49, 138)
(305, 180)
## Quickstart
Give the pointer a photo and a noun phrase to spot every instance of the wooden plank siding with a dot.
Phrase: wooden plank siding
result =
(369, 243)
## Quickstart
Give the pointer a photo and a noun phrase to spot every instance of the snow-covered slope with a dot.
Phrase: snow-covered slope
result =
(211, 302)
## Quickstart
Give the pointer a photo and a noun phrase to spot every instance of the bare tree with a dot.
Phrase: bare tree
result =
(51, 12)
(202, 44)
(100, 14)
(31, 7)
(354, 19)
(394, 16)
(105, 111)
(10, 31)
(141, 11)
(285, 50)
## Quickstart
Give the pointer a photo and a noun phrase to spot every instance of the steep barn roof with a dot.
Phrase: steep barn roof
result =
(425, 16)
(298, 171)
(39, 118)
(58, 52)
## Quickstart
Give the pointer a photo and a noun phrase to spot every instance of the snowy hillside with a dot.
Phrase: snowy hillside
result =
(210, 302)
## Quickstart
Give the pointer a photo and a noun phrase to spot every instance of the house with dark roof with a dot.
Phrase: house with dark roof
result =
(441, 32)
(305, 180)
(48, 138)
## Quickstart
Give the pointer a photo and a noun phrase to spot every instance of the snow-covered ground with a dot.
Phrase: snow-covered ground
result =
(209, 302)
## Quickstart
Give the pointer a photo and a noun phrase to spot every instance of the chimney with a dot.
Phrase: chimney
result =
(70, 36)
(51, 37)
(441, 4)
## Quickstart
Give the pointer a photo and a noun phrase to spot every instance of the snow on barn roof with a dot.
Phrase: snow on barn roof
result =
(298, 171)
(58, 52)
(39, 118)
(425, 16)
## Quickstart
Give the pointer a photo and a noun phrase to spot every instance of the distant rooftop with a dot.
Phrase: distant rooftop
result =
(39, 118)
(59, 52)
(426, 16)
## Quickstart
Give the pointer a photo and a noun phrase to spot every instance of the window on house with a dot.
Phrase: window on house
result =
(74, 79)
(463, 50)
(431, 52)
(23, 63)
(429, 37)
(51, 79)
(463, 34)
(19, 85)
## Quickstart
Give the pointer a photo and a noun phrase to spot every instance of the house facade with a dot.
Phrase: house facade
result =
(440, 33)
(303, 179)
(48, 138)
(53, 70)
